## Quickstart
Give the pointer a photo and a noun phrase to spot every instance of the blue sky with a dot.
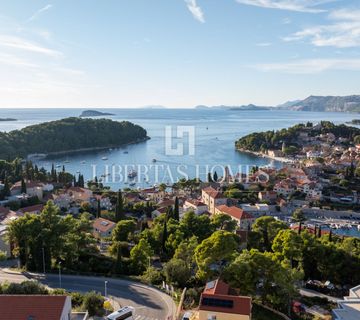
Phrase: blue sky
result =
(176, 53)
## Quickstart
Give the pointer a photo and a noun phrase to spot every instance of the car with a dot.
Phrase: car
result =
(126, 313)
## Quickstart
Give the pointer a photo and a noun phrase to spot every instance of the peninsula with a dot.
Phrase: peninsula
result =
(69, 135)
(7, 119)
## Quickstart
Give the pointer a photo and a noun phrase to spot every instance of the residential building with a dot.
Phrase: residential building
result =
(37, 307)
(212, 198)
(33, 189)
(79, 194)
(102, 228)
(269, 196)
(35, 209)
(256, 210)
(219, 302)
(244, 220)
(195, 205)
(349, 308)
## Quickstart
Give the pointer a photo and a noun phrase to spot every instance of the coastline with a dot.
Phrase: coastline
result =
(263, 155)
(49, 155)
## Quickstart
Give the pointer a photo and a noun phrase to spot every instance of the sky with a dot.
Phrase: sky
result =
(176, 53)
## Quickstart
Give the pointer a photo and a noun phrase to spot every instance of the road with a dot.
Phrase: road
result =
(149, 303)
(312, 293)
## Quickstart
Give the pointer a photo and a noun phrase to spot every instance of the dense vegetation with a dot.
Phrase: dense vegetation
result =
(288, 139)
(67, 135)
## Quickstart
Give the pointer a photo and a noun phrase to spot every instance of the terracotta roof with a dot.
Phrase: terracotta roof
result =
(196, 202)
(217, 298)
(24, 307)
(103, 225)
(35, 208)
(29, 184)
(235, 212)
(213, 193)
(78, 189)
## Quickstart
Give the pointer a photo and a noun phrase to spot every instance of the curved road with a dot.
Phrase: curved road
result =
(149, 303)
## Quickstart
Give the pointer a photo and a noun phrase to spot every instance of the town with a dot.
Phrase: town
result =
(283, 242)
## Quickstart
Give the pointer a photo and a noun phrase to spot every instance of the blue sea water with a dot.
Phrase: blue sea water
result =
(215, 133)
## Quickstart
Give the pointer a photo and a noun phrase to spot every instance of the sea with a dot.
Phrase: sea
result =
(183, 142)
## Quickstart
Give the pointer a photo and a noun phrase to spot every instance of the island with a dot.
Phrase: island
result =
(94, 113)
(69, 135)
(7, 119)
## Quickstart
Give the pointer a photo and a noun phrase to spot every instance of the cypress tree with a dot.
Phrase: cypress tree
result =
(98, 209)
(164, 236)
(6, 190)
(176, 209)
(209, 177)
(319, 232)
(23, 186)
(119, 211)
(215, 176)
(300, 225)
(330, 236)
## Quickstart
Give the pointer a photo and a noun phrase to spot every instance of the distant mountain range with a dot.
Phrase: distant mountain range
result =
(312, 103)
(327, 103)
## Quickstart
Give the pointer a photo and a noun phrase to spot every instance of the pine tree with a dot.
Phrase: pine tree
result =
(119, 211)
(176, 209)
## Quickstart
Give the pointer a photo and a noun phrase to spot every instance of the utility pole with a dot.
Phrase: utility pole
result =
(43, 258)
(60, 274)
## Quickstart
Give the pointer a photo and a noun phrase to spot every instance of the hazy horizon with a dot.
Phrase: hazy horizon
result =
(179, 54)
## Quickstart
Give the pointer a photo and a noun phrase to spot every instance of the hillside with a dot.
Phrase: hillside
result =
(289, 138)
(327, 103)
(68, 134)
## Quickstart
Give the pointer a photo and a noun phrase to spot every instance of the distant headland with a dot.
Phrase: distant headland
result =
(7, 119)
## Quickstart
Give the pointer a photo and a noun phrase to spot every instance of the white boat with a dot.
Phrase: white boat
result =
(83, 162)
(104, 158)
(132, 184)
(132, 174)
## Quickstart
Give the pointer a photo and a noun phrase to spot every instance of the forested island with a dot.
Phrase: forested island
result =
(69, 134)
(7, 119)
(94, 113)
(291, 140)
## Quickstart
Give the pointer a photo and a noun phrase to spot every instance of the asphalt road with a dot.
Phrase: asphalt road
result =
(149, 303)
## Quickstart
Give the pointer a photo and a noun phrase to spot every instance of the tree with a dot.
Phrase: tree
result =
(164, 237)
(119, 210)
(257, 273)
(177, 272)
(215, 176)
(298, 215)
(94, 304)
(98, 211)
(140, 256)
(122, 230)
(223, 222)
(214, 252)
(176, 209)
(23, 186)
(209, 177)
(288, 245)
(192, 224)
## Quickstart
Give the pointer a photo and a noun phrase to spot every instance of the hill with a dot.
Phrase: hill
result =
(68, 134)
(327, 103)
